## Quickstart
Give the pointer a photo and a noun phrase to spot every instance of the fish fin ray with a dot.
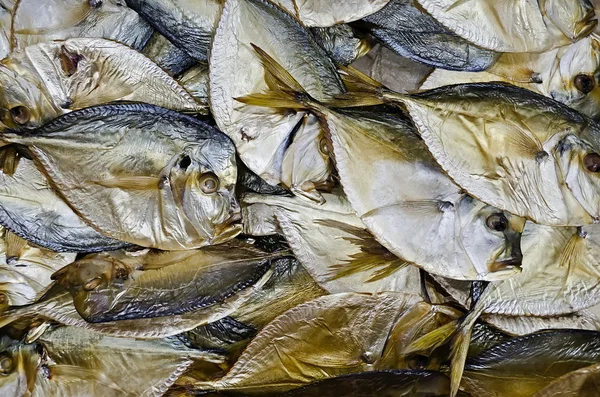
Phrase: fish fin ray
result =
(131, 182)
(284, 91)
(433, 339)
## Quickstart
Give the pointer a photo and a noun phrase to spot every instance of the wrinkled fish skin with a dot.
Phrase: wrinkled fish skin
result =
(180, 189)
(219, 334)
(530, 362)
(30, 209)
(301, 346)
(332, 243)
(584, 382)
(408, 31)
(187, 24)
(69, 361)
(278, 145)
(25, 270)
(409, 220)
(515, 26)
(379, 384)
(6, 7)
(166, 55)
(341, 43)
(64, 19)
(195, 81)
(46, 80)
(544, 172)
(106, 289)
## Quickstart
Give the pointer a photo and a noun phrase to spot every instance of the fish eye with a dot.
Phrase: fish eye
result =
(20, 114)
(323, 148)
(497, 222)
(209, 182)
(591, 161)
(95, 3)
(418, 361)
(185, 162)
(584, 83)
(6, 364)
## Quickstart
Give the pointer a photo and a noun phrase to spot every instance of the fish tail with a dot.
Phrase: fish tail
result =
(362, 90)
(433, 339)
(284, 91)
(458, 332)
(459, 349)
(14, 246)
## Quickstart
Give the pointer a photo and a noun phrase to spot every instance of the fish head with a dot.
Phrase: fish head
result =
(18, 367)
(574, 18)
(576, 79)
(203, 180)
(579, 165)
(87, 279)
(23, 105)
(63, 19)
(490, 238)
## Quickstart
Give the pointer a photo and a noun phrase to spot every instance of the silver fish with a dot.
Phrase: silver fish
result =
(403, 27)
(64, 19)
(179, 188)
(31, 209)
(46, 80)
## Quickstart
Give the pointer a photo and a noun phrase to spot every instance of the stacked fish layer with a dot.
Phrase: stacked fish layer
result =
(285, 198)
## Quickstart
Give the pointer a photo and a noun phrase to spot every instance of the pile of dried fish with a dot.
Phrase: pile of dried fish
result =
(299, 198)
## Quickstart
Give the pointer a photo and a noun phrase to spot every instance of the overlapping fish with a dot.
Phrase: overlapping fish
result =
(208, 197)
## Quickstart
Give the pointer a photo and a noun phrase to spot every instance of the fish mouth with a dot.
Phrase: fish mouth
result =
(505, 264)
(226, 232)
(229, 228)
(586, 25)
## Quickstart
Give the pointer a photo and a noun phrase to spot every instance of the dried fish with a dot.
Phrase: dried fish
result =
(65, 19)
(403, 27)
(515, 26)
(179, 188)
(31, 209)
(279, 146)
(55, 78)
(109, 287)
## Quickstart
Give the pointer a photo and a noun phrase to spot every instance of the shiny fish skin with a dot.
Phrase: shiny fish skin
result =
(6, 7)
(333, 244)
(189, 24)
(410, 32)
(168, 56)
(584, 382)
(539, 138)
(538, 359)
(279, 146)
(166, 187)
(30, 209)
(515, 25)
(553, 73)
(325, 13)
(432, 206)
(57, 77)
(100, 364)
(284, 355)
(64, 19)
(25, 274)
(105, 288)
